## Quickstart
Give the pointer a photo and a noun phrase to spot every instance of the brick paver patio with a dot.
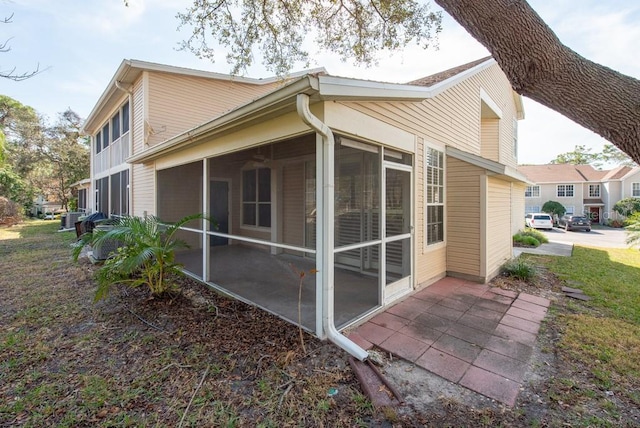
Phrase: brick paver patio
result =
(478, 336)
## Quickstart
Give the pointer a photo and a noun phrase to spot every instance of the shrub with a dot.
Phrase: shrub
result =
(627, 206)
(10, 212)
(524, 240)
(615, 223)
(146, 257)
(530, 237)
(519, 269)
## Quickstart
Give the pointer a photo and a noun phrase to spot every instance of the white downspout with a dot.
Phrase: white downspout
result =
(326, 241)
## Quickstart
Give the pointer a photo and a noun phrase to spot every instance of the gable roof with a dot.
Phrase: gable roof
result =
(446, 74)
(129, 70)
(321, 87)
(568, 173)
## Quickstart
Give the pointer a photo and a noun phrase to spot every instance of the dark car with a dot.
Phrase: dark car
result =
(575, 222)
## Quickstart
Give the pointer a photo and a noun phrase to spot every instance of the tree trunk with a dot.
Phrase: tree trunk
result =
(540, 67)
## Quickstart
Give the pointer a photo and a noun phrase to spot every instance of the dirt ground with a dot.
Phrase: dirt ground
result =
(201, 359)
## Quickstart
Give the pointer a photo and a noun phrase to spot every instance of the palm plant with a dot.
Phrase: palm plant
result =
(146, 254)
(633, 229)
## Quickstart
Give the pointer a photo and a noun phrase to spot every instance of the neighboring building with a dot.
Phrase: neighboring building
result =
(383, 188)
(82, 191)
(581, 189)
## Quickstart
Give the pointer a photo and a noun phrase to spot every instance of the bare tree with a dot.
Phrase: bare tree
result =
(538, 65)
(11, 74)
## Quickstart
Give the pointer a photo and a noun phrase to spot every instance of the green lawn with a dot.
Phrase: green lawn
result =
(600, 339)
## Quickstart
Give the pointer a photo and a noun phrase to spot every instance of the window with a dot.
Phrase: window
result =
(434, 188)
(256, 197)
(120, 193)
(569, 210)
(635, 190)
(125, 118)
(594, 190)
(105, 136)
(532, 192)
(565, 190)
(98, 142)
(115, 127)
(532, 209)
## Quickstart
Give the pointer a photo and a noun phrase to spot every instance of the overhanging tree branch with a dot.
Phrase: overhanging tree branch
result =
(540, 67)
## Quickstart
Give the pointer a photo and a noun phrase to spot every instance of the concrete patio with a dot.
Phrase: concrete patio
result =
(477, 336)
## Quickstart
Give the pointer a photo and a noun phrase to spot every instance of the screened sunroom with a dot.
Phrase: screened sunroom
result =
(264, 243)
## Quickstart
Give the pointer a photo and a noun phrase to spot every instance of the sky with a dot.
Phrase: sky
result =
(78, 46)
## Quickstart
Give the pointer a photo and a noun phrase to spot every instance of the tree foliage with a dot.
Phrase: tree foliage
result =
(353, 29)
(582, 155)
(39, 158)
(554, 208)
(627, 206)
(534, 60)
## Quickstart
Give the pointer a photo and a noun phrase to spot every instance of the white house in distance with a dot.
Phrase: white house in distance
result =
(382, 188)
(581, 189)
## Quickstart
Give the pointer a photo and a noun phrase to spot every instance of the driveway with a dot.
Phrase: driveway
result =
(600, 236)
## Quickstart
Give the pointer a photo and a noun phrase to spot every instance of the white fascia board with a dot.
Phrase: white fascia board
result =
(489, 102)
(332, 87)
(487, 164)
(123, 75)
(307, 84)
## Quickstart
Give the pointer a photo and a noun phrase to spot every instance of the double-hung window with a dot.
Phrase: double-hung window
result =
(256, 197)
(565, 191)
(434, 187)
(532, 192)
(635, 190)
(594, 190)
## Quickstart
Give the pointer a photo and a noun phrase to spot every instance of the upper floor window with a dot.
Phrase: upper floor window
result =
(594, 190)
(532, 192)
(105, 136)
(565, 191)
(98, 142)
(125, 118)
(635, 190)
(115, 127)
(434, 186)
(256, 197)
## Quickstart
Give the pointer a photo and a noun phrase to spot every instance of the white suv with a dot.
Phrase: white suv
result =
(539, 221)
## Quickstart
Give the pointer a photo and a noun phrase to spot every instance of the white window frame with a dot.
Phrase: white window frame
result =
(569, 210)
(515, 138)
(565, 190)
(532, 191)
(593, 194)
(440, 186)
(532, 209)
(635, 190)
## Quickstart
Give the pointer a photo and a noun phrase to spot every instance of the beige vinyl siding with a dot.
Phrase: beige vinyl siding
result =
(138, 112)
(453, 117)
(431, 261)
(499, 247)
(178, 103)
(489, 139)
(143, 190)
(517, 207)
(463, 217)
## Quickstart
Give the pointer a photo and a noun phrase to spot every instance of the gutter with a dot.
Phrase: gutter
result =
(326, 243)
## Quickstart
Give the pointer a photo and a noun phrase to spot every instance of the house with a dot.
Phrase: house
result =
(81, 189)
(581, 189)
(372, 189)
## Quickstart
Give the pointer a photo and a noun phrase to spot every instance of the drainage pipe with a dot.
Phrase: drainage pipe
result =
(326, 241)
